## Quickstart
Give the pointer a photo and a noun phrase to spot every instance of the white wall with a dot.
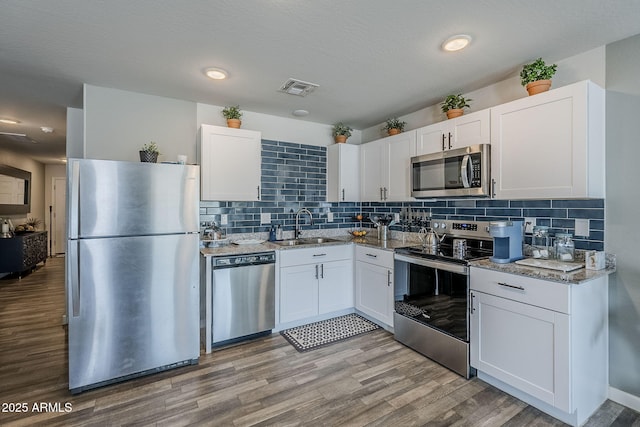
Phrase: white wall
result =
(118, 123)
(589, 65)
(622, 213)
(275, 128)
(75, 133)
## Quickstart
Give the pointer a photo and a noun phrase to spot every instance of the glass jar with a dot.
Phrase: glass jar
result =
(565, 249)
(540, 242)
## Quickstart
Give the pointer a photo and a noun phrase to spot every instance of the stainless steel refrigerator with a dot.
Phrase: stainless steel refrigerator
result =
(132, 269)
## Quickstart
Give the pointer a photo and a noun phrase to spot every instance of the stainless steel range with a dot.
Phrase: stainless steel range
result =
(432, 292)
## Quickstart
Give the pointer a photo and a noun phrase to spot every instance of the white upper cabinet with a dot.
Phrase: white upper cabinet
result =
(550, 145)
(230, 163)
(343, 173)
(463, 131)
(385, 168)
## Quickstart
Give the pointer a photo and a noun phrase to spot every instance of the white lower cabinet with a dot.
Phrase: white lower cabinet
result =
(374, 283)
(315, 281)
(545, 340)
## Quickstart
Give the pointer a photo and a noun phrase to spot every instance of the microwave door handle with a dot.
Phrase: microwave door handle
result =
(465, 171)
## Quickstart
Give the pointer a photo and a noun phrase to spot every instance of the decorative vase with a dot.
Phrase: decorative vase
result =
(538, 86)
(148, 157)
(454, 112)
(340, 139)
(393, 131)
(234, 123)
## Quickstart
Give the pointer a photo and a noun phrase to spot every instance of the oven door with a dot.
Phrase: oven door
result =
(436, 295)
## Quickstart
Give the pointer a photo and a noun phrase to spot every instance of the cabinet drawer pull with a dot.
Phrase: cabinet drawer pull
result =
(511, 286)
(372, 255)
(315, 255)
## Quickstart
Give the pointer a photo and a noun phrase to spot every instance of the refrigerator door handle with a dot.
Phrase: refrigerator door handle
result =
(74, 279)
(74, 201)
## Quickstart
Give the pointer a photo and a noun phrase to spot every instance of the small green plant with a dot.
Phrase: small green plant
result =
(453, 102)
(151, 147)
(537, 70)
(232, 112)
(341, 129)
(395, 123)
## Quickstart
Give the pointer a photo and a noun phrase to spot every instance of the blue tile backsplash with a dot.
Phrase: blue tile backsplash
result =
(295, 176)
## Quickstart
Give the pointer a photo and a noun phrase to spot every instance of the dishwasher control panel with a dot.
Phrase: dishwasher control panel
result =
(245, 259)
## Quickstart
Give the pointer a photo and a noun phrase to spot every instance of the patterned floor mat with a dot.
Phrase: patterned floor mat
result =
(318, 334)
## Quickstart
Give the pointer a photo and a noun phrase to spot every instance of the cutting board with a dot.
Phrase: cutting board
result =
(550, 264)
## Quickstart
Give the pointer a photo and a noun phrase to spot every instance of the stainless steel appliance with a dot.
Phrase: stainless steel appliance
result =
(432, 293)
(132, 271)
(460, 172)
(243, 296)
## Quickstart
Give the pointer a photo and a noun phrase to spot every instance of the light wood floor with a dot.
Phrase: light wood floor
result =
(368, 380)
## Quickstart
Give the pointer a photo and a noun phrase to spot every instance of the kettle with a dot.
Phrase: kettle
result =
(431, 238)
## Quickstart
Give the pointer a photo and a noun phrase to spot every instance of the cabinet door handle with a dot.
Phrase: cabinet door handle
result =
(385, 193)
(493, 188)
(471, 308)
(343, 194)
(443, 142)
(315, 255)
(450, 140)
(258, 192)
(520, 288)
(372, 255)
(388, 277)
(381, 194)
(322, 271)
(316, 271)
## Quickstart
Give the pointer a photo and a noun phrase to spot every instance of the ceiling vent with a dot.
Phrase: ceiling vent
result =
(297, 87)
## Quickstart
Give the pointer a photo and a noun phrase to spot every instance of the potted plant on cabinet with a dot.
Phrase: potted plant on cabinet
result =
(536, 77)
(233, 115)
(149, 153)
(453, 105)
(341, 132)
(394, 126)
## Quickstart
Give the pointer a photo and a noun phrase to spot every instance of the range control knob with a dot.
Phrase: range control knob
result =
(443, 225)
(436, 225)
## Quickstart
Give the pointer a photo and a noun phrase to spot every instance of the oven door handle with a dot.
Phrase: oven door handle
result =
(440, 265)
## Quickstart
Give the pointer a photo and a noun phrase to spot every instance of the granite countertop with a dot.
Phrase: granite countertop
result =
(233, 249)
(574, 277)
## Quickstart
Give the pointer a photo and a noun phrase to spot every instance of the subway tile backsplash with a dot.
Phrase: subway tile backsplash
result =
(295, 176)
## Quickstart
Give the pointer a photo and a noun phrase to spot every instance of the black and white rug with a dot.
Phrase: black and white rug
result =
(318, 334)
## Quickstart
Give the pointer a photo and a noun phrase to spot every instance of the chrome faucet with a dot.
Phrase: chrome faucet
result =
(297, 232)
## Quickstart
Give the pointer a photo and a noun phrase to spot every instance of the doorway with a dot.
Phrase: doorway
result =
(58, 220)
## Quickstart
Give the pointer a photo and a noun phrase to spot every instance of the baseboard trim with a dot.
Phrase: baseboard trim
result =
(627, 399)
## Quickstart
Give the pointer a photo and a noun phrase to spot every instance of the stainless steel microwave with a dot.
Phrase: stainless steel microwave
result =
(454, 173)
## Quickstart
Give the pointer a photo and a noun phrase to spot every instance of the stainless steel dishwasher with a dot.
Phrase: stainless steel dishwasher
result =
(243, 296)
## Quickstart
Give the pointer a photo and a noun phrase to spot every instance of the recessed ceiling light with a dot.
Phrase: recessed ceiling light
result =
(216, 73)
(10, 121)
(457, 42)
(300, 113)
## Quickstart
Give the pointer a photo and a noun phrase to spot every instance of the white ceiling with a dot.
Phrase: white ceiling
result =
(373, 59)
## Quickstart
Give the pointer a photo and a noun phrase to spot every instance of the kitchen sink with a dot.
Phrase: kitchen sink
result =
(305, 241)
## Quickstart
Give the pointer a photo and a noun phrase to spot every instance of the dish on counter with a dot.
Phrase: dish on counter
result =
(249, 241)
(210, 243)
